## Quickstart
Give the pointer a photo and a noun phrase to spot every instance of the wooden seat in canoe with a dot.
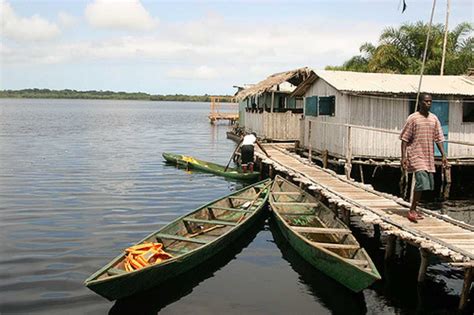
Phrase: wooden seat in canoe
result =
(213, 222)
(181, 238)
(303, 204)
(337, 246)
(230, 209)
(320, 230)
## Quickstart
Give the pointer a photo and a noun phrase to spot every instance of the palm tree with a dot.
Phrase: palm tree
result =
(400, 50)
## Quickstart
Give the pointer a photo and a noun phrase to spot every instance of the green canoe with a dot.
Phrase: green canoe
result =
(319, 237)
(191, 239)
(208, 166)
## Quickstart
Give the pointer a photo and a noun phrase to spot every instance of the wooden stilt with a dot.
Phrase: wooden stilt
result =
(270, 171)
(466, 288)
(447, 188)
(390, 248)
(377, 231)
(346, 216)
(325, 158)
(361, 170)
(423, 265)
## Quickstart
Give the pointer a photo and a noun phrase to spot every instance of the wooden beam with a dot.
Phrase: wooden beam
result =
(230, 209)
(303, 204)
(337, 246)
(214, 222)
(181, 238)
(293, 193)
(320, 230)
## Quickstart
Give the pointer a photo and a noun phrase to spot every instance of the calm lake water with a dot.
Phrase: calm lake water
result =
(80, 180)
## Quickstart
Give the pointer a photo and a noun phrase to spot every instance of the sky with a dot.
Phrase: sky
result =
(190, 47)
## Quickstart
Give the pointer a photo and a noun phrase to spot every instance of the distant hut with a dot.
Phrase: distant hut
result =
(268, 109)
(361, 114)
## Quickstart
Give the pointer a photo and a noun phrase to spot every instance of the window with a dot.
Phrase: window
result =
(311, 106)
(327, 105)
(468, 110)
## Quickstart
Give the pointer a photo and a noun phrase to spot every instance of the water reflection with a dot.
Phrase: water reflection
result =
(152, 301)
(330, 293)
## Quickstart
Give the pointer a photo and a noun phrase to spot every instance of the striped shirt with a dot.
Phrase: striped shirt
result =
(420, 132)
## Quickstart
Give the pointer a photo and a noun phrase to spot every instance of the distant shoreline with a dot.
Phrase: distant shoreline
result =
(105, 95)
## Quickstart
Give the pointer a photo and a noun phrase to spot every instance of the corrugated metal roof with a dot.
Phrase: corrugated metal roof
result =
(361, 82)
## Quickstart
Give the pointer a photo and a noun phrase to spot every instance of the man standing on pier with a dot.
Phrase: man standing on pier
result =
(421, 129)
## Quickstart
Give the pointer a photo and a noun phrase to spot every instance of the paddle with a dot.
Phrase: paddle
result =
(236, 148)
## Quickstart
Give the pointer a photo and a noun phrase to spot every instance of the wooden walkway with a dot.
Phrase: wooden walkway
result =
(436, 234)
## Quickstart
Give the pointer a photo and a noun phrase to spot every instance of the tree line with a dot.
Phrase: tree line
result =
(400, 50)
(104, 95)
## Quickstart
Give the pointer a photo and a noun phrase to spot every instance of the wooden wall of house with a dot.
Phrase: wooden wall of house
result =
(322, 136)
(375, 112)
(278, 126)
(460, 131)
(242, 107)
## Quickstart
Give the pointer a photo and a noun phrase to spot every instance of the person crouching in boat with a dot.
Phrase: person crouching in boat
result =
(247, 151)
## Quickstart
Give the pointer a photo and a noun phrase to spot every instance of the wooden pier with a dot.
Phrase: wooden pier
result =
(439, 235)
(216, 114)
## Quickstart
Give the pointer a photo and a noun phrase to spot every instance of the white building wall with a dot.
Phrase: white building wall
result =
(374, 112)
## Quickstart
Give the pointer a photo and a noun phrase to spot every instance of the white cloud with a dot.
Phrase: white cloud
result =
(200, 72)
(66, 19)
(120, 15)
(216, 48)
(25, 29)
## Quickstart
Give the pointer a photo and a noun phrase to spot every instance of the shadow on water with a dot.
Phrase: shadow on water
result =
(399, 287)
(331, 294)
(152, 301)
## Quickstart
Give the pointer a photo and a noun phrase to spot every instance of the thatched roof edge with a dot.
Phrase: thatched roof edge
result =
(294, 76)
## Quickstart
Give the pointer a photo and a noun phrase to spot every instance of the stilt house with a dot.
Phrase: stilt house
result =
(361, 114)
(268, 109)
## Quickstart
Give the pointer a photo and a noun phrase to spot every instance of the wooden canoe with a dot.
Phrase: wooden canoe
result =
(209, 167)
(191, 239)
(319, 237)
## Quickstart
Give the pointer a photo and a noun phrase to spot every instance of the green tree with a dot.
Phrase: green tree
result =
(400, 50)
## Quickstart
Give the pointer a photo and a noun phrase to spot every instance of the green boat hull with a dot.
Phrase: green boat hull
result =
(125, 284)
(334, 265)
(209, 167)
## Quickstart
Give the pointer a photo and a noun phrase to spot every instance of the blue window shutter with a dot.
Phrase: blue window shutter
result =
(327, 105)
(311, 106)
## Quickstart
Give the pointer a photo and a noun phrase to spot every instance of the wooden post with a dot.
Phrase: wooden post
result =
(310, 151)
(447, 188)
(468, 273)
(273, 100)
(361, 169)
(270, 171)
(390, 248)
(377, 231)
(348, 166)
(325, 158)
(423, 265)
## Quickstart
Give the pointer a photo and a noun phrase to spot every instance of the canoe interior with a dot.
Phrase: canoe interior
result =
(316, 223)
(198, 228)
